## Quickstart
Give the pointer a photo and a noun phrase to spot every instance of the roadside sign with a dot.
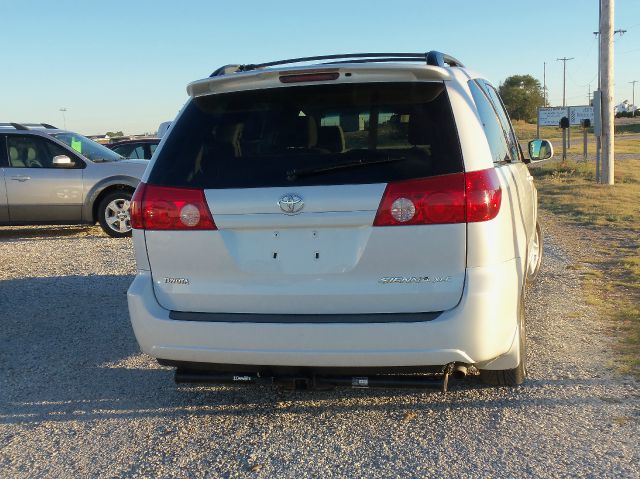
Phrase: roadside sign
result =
(579, 113)
(550, 116)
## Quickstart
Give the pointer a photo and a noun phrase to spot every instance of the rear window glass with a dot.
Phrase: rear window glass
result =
(311, 135)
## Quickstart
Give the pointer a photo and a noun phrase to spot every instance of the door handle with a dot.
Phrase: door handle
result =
(20, 178)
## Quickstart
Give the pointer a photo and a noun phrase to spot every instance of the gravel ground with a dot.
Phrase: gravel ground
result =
(77, 398)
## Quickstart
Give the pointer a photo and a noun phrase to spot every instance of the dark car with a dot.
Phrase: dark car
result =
(140, 148)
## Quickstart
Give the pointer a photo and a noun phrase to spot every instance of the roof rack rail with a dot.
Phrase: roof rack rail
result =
(226, 70)
(442, 59)
(433, 58)
(25, 126)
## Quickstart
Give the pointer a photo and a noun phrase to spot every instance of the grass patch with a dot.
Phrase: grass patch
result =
(568, 189)
(611, 272)
(527, 131)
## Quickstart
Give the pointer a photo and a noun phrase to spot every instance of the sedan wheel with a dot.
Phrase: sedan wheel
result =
(114, 214)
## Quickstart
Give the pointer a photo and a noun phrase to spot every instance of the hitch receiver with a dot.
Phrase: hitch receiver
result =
(436, 381)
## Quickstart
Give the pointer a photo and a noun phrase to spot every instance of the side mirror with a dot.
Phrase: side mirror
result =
(540, 150)
(62, 161)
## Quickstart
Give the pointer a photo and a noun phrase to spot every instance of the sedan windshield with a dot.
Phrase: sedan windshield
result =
(88, 148)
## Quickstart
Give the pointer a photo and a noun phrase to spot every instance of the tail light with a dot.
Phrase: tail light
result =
(483, 195)
(458, 198)
(162, 208)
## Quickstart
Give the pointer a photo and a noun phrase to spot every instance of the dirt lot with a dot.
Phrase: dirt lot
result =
(78, 399)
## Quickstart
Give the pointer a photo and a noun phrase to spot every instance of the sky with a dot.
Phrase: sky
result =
(124, 65)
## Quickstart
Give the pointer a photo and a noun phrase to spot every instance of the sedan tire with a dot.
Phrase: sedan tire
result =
(113, 214)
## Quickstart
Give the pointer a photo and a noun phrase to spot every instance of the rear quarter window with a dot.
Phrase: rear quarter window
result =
(258, 138)
(498, 143)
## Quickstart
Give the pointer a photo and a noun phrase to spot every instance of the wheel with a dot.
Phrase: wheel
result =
(113, 214)
(517, 375)
(535, 255)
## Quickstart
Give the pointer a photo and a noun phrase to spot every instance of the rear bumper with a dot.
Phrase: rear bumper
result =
(481, 328)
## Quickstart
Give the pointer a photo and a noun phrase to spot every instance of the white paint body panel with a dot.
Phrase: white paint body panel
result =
(485, 262)
(344, 280)
(479, 328)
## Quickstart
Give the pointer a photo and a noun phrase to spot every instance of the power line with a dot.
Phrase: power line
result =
(581, 84)
(581, 67)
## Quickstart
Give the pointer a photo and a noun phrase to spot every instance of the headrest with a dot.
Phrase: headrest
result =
(331, 138)
(31, 154)
(298, 132)
(13, 153)
(229, 132)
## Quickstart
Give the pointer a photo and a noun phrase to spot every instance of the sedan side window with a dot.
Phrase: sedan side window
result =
(34, 152)
(28, 152)
(124, 150)
(137, 153)
(3, 152)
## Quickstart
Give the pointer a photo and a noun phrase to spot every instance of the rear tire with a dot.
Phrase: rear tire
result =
(535, 255)
(517, 375)
(113, 214)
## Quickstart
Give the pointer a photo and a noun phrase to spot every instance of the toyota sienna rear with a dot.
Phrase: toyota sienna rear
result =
(344, 223)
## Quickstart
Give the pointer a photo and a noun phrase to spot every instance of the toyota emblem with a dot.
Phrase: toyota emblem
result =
(291, 204)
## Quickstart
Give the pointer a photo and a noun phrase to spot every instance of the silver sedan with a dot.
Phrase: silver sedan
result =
(52, 176)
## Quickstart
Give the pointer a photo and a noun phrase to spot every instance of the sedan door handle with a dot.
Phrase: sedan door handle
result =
(20, 178)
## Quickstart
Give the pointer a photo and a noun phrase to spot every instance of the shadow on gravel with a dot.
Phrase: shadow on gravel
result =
(68, 353)
(16, 233)
(108, 394)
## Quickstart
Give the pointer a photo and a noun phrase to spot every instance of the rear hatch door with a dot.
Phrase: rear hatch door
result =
(294, 178)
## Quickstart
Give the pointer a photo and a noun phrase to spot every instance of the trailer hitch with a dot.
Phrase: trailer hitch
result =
(311, 381)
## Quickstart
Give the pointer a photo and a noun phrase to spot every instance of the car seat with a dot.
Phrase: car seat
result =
(14, 158)
(32, 158)
(331, 138)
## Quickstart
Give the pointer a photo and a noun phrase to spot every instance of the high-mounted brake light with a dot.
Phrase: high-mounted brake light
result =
(163, 208)
(457, 198)
(305, 77)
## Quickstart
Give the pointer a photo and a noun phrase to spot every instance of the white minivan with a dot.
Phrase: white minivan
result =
(361, 219)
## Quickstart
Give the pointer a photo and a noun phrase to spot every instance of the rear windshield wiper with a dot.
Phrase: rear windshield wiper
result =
(299, 173)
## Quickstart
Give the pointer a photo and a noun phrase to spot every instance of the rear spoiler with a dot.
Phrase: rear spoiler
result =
(348, 73)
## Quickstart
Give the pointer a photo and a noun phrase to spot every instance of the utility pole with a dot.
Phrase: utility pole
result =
(599, 102)
(599, 137)
(564, 90)
(607, 77)
(633, 96)
(564, 78)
